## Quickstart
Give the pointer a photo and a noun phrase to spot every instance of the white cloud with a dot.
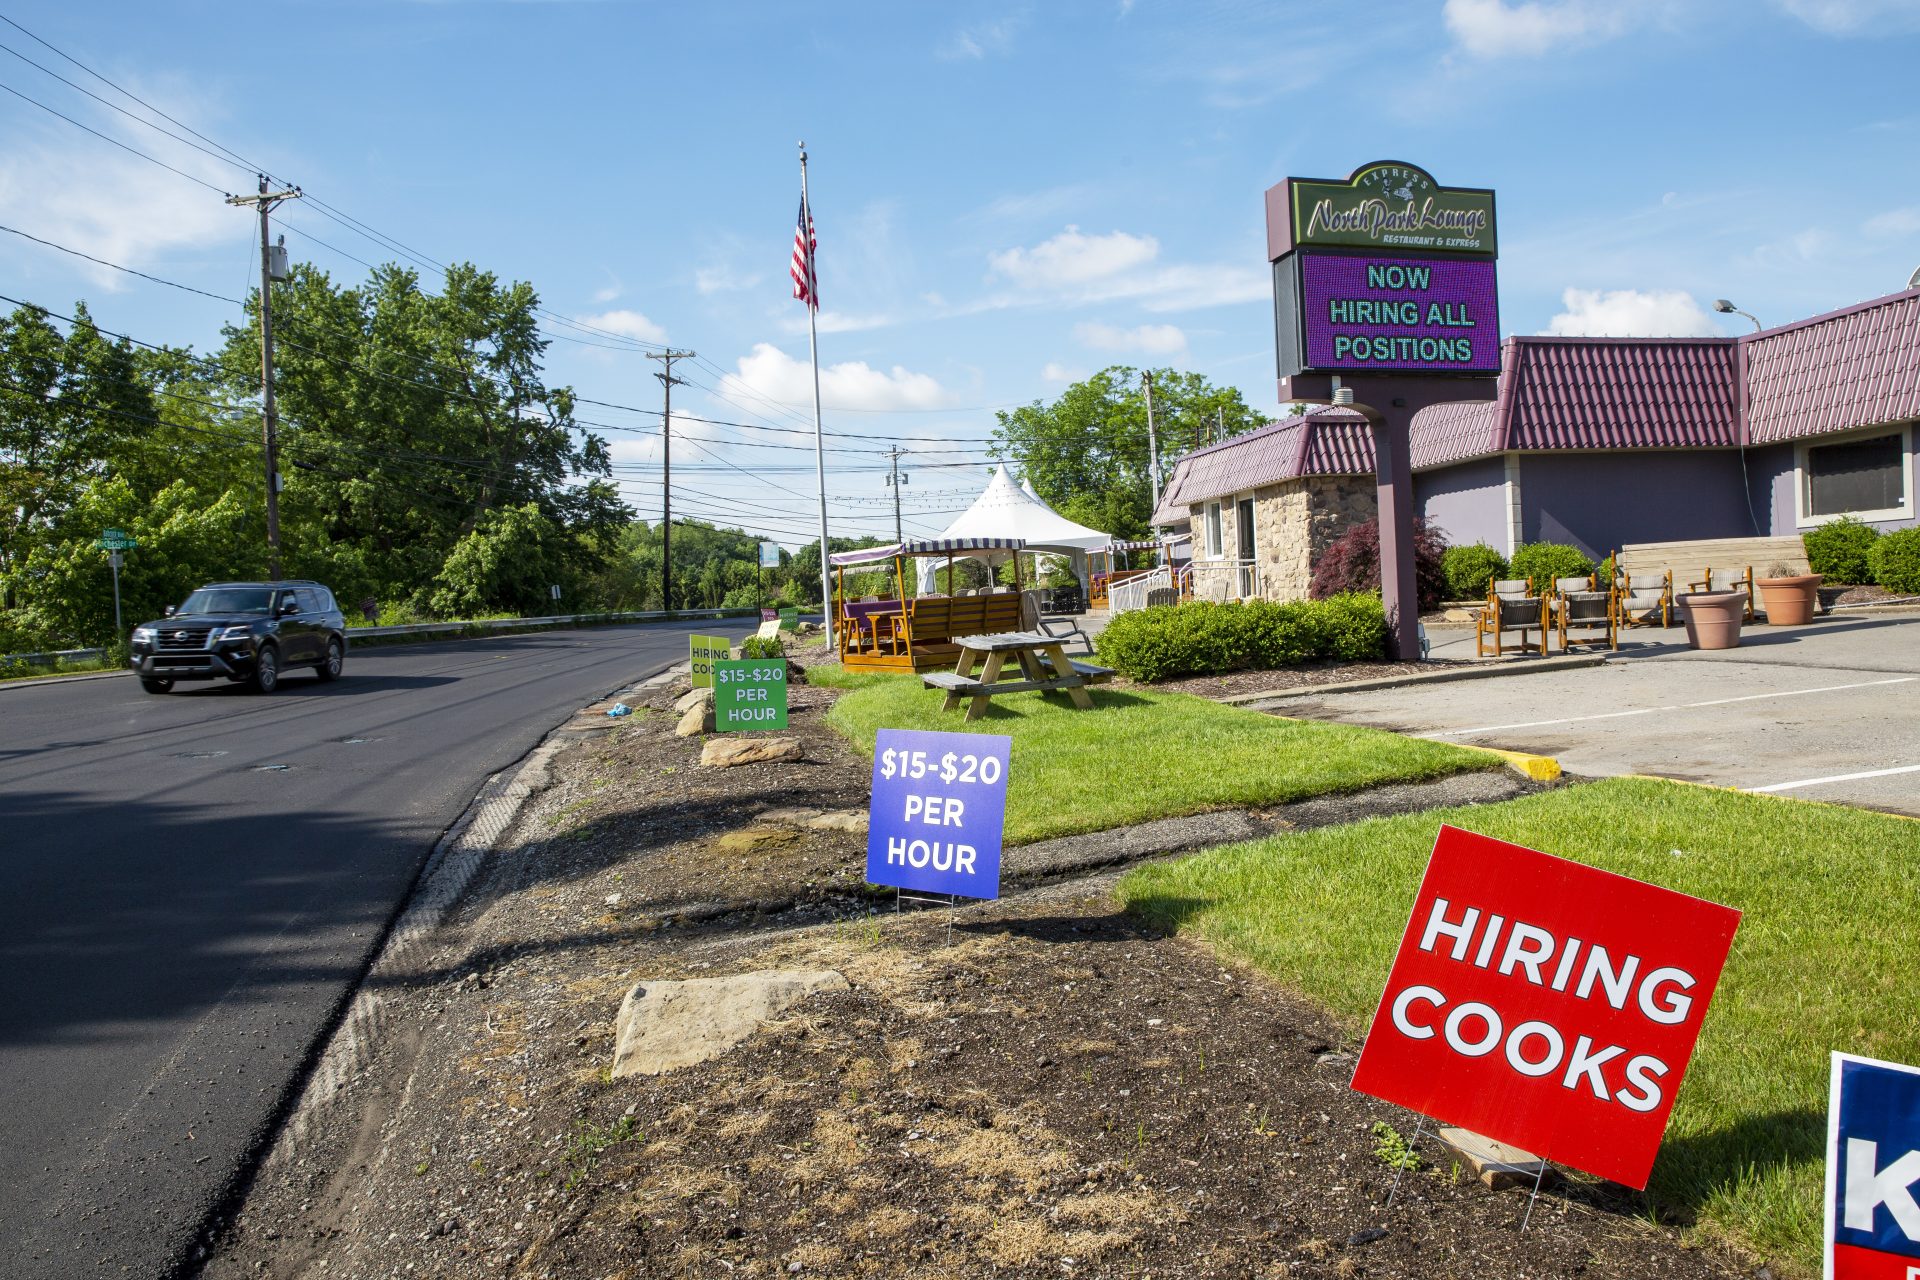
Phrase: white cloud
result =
(771, 374)
(724, 279)
(1076, 268)
(970, 44)
(1054, 371)
(1894, 222)
(626, 323)
(81, 193)
(1846, 17)
(1073, 258)
(1631, 313)
(1150, 339)
(609, 293)
(1529, 28)
(827, 321)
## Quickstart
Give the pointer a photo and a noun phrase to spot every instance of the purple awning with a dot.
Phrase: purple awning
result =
(926, 547)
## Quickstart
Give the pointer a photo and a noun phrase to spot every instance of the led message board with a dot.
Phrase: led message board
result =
(1439, 315)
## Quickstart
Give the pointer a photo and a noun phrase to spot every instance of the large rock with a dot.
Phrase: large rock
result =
(664, 1026)
(698, 719)
(724, 753)
(694, 698)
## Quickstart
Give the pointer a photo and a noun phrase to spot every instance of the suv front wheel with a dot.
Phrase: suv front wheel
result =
(266, 671)
(336, 657)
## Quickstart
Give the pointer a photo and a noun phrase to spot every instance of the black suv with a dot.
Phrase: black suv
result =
(246, 631)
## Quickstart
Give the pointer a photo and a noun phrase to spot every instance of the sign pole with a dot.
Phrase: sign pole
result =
(113, 559)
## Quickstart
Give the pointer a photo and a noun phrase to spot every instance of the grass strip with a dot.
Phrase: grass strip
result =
(1822, 961)
(1140, 755)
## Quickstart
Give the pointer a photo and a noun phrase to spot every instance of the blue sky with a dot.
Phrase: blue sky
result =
(1007, 196)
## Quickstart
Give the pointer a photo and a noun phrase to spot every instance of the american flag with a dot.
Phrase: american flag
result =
(806, 286)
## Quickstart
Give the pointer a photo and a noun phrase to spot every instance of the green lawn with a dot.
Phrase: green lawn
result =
(1823, 959)
(1140, 755)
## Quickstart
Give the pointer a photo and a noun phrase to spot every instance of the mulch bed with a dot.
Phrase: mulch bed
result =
(1045, 1088)
(1235, 682)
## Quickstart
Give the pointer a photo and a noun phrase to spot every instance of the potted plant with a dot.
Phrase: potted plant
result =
(1712, 618)
(1788, 597)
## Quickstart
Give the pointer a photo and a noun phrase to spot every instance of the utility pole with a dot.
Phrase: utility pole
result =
(266, 202)
(1153, 440)
(667, 383)
(895, 480)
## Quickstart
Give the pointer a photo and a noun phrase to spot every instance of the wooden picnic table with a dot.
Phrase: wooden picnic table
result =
(1042, 659)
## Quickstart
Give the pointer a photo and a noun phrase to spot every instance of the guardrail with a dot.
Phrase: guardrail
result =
(55, 656)
(557, 620)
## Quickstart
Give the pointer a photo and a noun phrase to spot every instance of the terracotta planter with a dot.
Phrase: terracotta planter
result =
(1789, 601)
(1712, 618)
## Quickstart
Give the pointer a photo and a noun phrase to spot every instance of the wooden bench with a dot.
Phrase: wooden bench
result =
(1702, 564)
(1086, 670)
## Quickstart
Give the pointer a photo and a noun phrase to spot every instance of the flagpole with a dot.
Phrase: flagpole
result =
(819, 436)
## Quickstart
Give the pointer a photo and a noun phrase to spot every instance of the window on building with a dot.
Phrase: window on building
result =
(1868, 476)
(1214, 546)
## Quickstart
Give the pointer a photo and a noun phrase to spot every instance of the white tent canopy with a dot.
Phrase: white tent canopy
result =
(1010, 509)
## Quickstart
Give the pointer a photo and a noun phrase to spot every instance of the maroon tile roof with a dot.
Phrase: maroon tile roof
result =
(1617, 393)
(1444, 433)
(1858, 367)
(1322, 441)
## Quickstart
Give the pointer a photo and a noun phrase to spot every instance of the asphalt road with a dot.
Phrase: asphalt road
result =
(189, 886)
(1827, 711)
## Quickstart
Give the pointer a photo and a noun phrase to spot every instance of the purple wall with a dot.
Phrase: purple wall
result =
(1468, 501)
(1771, 477)
(1600, 501)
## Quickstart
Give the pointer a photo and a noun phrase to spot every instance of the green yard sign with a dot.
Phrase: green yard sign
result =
(704, 652)
(750, 694)
(790, 619)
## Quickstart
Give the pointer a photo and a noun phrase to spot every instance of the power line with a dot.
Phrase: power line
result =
(115, 141)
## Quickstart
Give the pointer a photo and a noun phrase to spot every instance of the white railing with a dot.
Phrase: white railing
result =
(1132, 594)
(1225, 579)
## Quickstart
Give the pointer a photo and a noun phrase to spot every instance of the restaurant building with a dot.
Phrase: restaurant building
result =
(1596, 442)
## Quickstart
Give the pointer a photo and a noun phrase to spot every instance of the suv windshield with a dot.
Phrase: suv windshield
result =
(229, 600)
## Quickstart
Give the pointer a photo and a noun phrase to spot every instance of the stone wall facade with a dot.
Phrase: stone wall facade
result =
(1293, 524)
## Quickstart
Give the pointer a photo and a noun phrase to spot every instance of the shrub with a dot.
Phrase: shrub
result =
(1204, 638)
(1352, 563)
(1545, 561)
(762, 647)
(1468, 569)
(1841, 549)
(1895, 559)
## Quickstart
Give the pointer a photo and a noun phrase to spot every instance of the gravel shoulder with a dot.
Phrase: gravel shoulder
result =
(1032, 1084)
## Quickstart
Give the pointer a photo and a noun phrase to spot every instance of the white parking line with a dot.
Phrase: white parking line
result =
(1838, 777)
(1678, 706)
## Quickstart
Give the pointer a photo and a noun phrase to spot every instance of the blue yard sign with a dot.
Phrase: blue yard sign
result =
(939, 804)
(1873, 1169)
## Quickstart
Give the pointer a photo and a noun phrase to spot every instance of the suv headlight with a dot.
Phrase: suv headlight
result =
(236, 633)
(143, 635)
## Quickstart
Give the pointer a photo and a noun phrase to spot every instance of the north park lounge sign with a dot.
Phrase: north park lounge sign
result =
(1390, 205)
(1386, 272)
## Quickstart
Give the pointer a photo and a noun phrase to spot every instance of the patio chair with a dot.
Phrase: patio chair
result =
(1562, 586)
(1643, 595)
(1511, 606)
(1033, 618)
(1592, 614)
(1733, 578)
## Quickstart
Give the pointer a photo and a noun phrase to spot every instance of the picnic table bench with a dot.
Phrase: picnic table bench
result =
(1042, 660)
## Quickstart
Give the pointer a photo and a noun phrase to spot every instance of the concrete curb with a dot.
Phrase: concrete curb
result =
(43, 681)
(450, 869)
(1524, 763)
(1518, 667)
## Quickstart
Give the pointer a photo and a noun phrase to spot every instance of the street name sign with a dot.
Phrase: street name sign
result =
(750, 693)
(1873, 1165)
(938, 810)
(1545, 1003)
(703, 652)
(116, 540)
(769, 555)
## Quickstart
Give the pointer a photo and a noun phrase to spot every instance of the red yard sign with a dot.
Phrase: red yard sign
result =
(1545, 1004)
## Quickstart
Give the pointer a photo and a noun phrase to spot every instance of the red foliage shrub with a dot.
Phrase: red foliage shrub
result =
(1352, 563)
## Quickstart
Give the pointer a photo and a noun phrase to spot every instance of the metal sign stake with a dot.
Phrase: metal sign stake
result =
(1400, 1171)
(1538, 1174)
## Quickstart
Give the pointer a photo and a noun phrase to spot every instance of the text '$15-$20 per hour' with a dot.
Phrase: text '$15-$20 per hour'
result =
(953, 766)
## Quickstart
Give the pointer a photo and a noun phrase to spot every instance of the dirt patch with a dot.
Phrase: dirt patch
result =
(1035, 1085)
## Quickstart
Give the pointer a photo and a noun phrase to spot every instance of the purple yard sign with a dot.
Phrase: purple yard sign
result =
(939, 803)
(1426, 315)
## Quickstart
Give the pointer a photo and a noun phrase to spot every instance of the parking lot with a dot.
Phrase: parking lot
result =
(1828, 711)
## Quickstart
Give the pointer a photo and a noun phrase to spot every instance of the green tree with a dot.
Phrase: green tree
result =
(1086, 453)
(509, 563)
